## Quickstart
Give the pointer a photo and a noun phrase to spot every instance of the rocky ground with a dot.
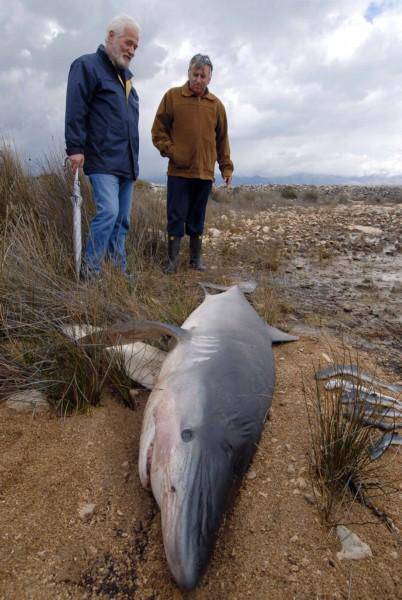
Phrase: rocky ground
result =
(74, 520)
(340, 266)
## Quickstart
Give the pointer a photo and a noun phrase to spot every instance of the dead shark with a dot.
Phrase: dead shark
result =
(203, 419)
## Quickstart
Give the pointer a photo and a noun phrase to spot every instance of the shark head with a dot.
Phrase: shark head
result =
(192, 475)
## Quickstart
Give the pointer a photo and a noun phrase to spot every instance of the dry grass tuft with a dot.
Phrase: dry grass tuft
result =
(39, 296)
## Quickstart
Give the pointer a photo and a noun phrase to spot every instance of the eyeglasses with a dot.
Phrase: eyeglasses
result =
(202, 59)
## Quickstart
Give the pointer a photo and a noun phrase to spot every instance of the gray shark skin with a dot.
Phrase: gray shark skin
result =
(203, 420)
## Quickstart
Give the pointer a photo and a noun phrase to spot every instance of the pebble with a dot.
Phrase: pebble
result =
(291, 469)
(309, 498)
(251, 475)
(86, 512)
(301, 483)
(294, 538)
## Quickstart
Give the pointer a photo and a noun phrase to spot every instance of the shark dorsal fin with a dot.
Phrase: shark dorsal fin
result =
(247, 287)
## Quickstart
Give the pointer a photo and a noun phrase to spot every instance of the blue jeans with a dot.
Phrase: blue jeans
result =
(110, 225)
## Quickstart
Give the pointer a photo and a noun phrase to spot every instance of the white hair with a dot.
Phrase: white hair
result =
(119, 23)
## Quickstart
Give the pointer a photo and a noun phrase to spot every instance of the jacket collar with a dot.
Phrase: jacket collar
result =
(101, 51)
(185, 91)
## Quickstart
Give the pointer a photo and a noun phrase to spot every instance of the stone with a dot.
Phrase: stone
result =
(353, 548)
(86, 512)
(251, 475)
(366, 229)
(301, 483)
(309, 498)
(28, 400)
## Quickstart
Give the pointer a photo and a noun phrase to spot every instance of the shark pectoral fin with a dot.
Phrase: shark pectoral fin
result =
(142, 362)
(277, 336)
(126, 333)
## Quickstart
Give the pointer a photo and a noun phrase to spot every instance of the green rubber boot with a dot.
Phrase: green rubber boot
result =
(195, 253)
(173, 254)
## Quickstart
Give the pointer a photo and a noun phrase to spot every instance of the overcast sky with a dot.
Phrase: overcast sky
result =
(309, 85)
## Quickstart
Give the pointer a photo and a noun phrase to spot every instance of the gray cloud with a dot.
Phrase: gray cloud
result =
(310, 85)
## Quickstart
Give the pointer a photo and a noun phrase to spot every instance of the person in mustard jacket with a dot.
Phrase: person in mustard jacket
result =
(190, 128)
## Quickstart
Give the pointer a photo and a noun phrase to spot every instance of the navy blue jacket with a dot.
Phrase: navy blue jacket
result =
(100, 122)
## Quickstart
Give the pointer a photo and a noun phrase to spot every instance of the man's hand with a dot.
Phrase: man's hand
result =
(228, 181)
(76, 162)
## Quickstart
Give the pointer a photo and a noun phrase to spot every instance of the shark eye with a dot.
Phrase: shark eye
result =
(172, 489)
(187, 435)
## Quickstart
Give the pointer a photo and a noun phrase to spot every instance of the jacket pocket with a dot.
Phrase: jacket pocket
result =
(180, 157)
(209, 154)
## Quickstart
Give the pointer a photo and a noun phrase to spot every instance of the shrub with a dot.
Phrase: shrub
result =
(289, 193)
(310, 196)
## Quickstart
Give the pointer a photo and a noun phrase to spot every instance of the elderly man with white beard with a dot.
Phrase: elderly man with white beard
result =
(101, 132)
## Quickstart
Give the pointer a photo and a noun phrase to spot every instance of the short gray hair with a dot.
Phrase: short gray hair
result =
(119, 23)
(200, 60)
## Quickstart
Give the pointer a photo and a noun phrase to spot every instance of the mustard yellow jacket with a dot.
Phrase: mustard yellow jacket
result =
(193, 132)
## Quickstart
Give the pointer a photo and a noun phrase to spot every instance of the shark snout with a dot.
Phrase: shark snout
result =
(191, 515)
(187, 549)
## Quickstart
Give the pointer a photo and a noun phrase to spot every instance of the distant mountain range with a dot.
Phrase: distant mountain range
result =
(306, 179)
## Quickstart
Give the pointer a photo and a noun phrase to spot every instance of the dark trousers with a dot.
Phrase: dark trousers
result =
(186, 205)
